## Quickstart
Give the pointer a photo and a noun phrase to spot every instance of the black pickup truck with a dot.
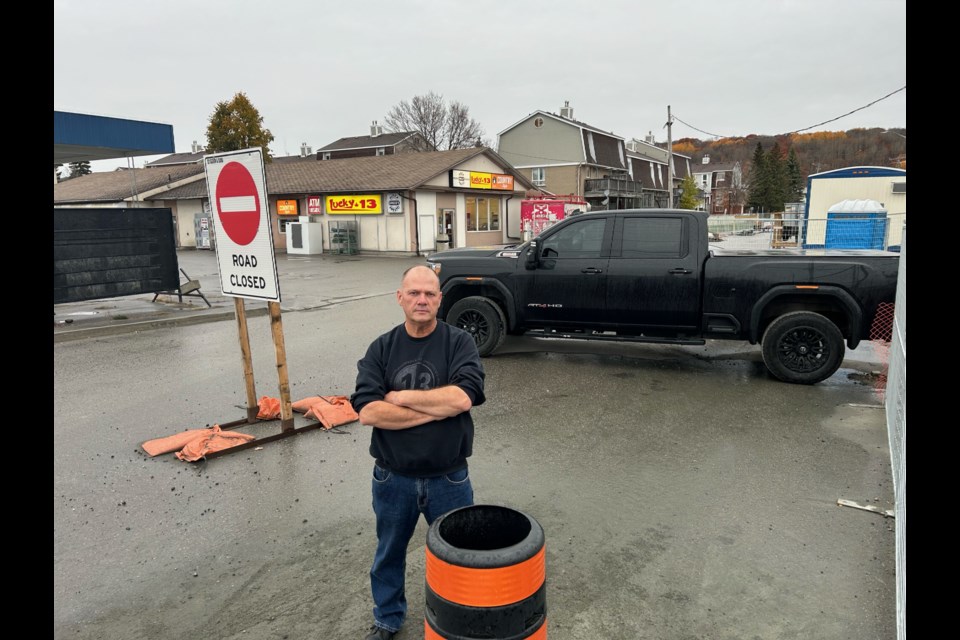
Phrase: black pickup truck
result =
(650, 275)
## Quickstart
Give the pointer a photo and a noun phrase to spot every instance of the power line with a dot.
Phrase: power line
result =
(813, 126)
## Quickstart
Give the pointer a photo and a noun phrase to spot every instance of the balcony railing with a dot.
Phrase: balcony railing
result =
(595, 187)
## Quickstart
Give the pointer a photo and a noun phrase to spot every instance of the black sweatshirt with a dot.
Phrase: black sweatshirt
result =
(395, 362)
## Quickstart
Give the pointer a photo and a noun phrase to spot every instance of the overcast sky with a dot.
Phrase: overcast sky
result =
(320, 70)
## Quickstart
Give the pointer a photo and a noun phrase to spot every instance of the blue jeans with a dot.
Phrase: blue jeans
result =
(398, 502)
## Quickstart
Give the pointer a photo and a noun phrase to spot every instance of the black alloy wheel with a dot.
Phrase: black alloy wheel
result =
(803, 347)
(482, 319)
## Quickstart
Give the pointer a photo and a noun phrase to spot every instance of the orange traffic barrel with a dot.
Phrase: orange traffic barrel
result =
(486, 576)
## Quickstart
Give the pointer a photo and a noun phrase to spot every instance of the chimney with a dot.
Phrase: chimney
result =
(567, 110)
(375, 129)
(305, 150)
(195, 148)
(706, 158)
(649, 139)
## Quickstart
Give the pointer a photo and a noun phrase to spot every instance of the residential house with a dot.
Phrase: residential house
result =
(648, 166)
(197, 152)
(721, 186)
(193, 157)
(377, 143)
(562, 155)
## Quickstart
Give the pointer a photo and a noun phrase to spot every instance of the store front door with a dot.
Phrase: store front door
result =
(445, 231)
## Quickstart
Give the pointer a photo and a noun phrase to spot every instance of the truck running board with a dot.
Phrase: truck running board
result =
(610, 337)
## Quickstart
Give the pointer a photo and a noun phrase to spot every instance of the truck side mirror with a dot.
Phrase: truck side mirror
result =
(533, 257)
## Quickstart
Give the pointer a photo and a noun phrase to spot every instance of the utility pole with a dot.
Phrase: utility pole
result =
(669, 157)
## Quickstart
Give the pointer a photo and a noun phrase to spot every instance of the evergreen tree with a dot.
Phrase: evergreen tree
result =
(759, 189)
(237, 125)
(795, 186)
(689, 194)
(81, 168)
(776, 179)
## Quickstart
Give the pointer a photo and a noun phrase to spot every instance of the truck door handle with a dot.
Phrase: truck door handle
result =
(591, 270)
(680, 271)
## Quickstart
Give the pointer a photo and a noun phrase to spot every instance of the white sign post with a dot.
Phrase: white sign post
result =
(236, 184)
(237, 187)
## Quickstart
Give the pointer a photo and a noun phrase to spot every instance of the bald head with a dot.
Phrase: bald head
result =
(419, 295)
(419, 270)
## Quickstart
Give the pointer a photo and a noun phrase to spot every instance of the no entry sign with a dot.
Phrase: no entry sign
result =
(236, 184)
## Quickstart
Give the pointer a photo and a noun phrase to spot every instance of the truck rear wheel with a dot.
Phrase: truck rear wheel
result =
(802, 347)
(482, 319)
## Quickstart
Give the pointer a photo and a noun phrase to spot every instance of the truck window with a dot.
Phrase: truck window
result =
(583, 239)
(652, 238)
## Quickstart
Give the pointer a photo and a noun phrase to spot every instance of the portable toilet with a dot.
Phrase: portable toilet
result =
(856, 224)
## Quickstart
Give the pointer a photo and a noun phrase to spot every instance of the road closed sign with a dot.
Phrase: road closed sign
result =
(236, 184)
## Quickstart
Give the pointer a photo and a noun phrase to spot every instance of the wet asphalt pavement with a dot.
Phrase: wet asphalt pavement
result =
(683, 492)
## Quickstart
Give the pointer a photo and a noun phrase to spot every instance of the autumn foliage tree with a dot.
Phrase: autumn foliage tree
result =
(237, 125)
(442, 126)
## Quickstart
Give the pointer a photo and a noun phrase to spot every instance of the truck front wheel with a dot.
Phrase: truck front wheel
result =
(802, 347)
(482, 319)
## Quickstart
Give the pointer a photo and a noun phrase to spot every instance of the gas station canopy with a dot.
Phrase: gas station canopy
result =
(79, 137)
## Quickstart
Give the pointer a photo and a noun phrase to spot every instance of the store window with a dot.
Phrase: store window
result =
(483, 214)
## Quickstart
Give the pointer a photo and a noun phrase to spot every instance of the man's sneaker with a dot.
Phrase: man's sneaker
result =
(379, 633)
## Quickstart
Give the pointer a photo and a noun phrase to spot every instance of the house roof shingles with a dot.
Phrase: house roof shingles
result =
(114, 186)
(177, 158)
(363, 142)
(375, 173)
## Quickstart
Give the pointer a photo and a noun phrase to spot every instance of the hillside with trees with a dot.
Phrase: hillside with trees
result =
(815, 152)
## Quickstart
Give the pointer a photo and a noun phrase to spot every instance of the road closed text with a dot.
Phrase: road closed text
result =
(247, 281)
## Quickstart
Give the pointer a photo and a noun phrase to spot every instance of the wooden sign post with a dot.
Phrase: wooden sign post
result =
(236, 183)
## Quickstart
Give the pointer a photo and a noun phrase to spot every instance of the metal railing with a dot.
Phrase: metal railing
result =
(612, 187)
(790, 231)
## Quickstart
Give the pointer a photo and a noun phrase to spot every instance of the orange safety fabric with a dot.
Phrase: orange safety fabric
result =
(332, 411)
(302, 406)
(430, 634)
(485, 587)
(169, 444)
(269, 408)
(214, 440)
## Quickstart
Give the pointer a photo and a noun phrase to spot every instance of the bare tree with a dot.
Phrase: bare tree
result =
(441, 127)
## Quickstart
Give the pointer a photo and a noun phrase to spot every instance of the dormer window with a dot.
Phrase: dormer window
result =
(381, 151)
